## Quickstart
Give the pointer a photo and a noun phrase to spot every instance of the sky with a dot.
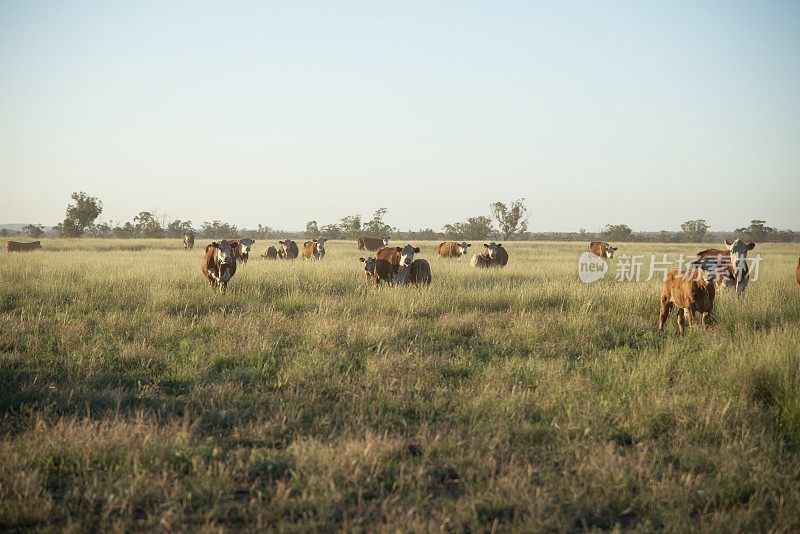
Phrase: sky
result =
(276, 113)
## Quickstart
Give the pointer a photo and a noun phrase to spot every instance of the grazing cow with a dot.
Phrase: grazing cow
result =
(372, 244)
(493, 255)
(690, 291)
(271, 253)
(392, 264)
(450, 249)
(314, 250)
(729, 266)
(369, 267)
(16, 246)
(188, 240)
(288, 250)
(420, 272)
(219, 264)
(242, 252)
(602, 249)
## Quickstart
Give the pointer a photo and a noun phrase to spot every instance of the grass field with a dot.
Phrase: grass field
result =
(133, 397)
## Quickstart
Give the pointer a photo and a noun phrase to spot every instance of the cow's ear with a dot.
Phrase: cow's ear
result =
(728, 243)
(362, 260)
(398, 249)
(751, 246)
(416, 250)
(485, 245)
(469, 245)
(499, 244)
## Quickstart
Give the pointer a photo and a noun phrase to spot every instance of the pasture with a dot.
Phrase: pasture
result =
(132, 397)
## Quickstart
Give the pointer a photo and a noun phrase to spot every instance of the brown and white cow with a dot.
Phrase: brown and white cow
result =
(369, 267)
(419, 273)
(372, 244)
(17, 246)
(729, 266)
(493, 255)
(271, 253)
(242, 252)
(188, 240)
(219, 264)
(602, 249)
(691, 291)
(452, 250)
(392, 264)
(315, 249)
(288, 249)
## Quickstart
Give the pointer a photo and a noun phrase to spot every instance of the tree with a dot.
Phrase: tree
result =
(757, 231)
(479, 227)
(512, 220)
(331, 231)
(376, 226)
(616, 232)
(351, 225)
(147, 225)
(695, 230)
(80, 214)
(177, 228)
(312, 230)
(33, 230)
(219, 229)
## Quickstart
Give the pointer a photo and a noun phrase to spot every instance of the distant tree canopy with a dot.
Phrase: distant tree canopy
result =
(177, 228)
(757, 231)
(479, 227)
(81, 214)
(147, 226)
(312, 230)
(33, 230)
(376, 226)
(350, 226)
(219, 229)
(511, 219)
(695, 230)
(616, 232)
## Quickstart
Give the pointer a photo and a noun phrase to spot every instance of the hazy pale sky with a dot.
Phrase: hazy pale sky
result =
(276, 113)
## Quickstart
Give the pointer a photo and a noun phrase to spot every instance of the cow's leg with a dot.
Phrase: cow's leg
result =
(666, 308)
(705, 318)
(690, 316)
(681, 323)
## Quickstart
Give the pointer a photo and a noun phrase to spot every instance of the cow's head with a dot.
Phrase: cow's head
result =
(385, 240)
(224, 252)
(407, 254)
(609, 250)
(463, 246)
(369, 266)
(738, 251)
(285, 245)
(320, 241)
(491, 249)
(246, 243)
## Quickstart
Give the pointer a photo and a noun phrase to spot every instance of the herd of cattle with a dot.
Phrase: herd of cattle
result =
(690, 291)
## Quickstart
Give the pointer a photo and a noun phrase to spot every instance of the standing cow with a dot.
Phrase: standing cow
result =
(797, 271)
(392, 264)
(369, 267)
(219, 264)
(314, 250)
(602, 249)
(493, 255)
(16, 246)
(729, 266)
(242, 252)
(188, 240)
(288, 250)
(372, 244)
(452, 250)
(271, 253)
(691, 291)
(420, 272)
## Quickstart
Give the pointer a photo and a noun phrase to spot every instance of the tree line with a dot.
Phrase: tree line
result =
(504, 221)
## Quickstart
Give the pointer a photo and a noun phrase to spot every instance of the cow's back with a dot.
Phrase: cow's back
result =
(370, 243)
(420, 272)
(502, 256)
(448, 249)
(16, 246)
(387, 263)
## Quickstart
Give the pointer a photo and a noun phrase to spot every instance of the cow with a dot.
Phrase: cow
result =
(392, 264)
(797, 271)
(369, 267)
(16, 246)
(420, 272)
(288, 250)
(242, 252)
(188, 240)
(728, 266)
(450, 249)
(602, 249)
(493, 255)
(219, 264)
(271, 253)
(691, 291)
(314, 250)
(373, 244)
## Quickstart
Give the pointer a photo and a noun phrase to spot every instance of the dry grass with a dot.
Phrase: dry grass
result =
(134, 398)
